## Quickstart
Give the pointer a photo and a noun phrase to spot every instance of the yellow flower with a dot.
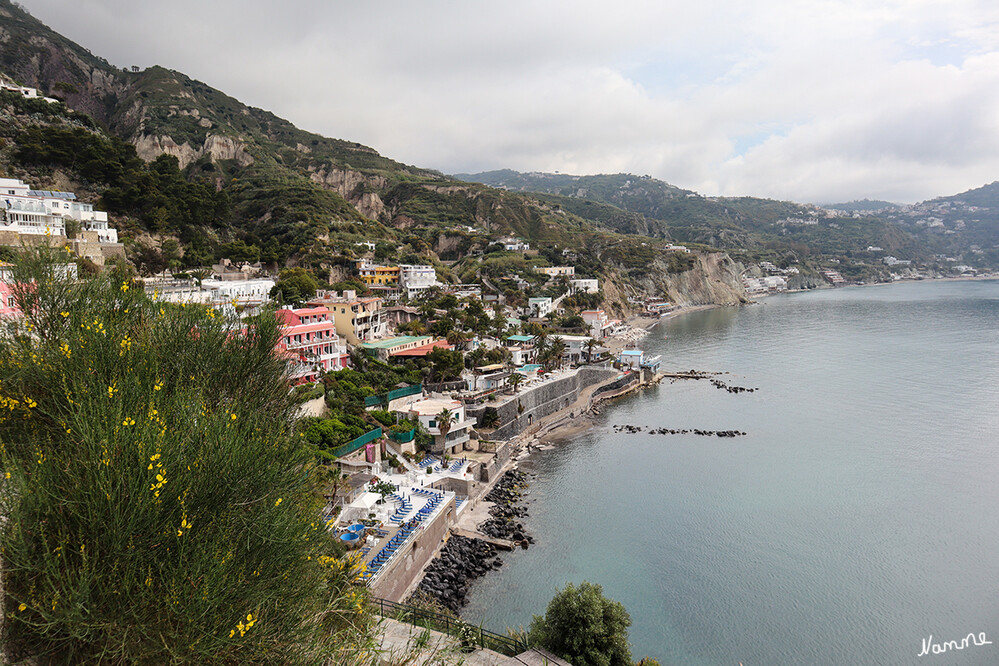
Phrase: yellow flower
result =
(124, 287)
(278, 502)
(64, 314)
(128, 421)
(158, 385)
(111, 390)
(233, 417)
(22, 607)
(7, 475)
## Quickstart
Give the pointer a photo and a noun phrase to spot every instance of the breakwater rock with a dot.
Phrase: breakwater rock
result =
(719, 384)
(507, 495)
(461, 561)
(633, 429)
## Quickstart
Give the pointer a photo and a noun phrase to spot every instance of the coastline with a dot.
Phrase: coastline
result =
(556, 428)
(577, 418)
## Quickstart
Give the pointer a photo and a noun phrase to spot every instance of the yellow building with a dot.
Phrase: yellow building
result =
(378, 275)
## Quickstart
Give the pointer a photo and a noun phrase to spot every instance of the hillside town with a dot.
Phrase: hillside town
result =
(430, 387)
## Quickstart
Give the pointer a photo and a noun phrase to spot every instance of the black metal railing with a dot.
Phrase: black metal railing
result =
(446, 624)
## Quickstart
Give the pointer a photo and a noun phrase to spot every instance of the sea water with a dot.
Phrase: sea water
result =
(858, 517)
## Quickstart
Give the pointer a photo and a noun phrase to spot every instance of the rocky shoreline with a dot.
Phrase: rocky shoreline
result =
(463, 559)
(507, 495)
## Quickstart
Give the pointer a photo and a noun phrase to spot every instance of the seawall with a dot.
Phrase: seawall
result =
(522, 410)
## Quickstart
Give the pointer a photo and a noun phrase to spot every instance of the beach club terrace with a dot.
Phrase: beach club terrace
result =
(401, 530)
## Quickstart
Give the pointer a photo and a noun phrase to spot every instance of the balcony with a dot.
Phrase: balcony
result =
(455, 427)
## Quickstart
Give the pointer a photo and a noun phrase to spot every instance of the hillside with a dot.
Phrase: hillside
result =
(754, 229)
(292, 194)
(190, 174)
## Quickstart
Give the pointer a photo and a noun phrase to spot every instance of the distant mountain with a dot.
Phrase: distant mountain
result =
(749, 227)
(985, 196)
(245, 182)
(638, 194)
(861, 206)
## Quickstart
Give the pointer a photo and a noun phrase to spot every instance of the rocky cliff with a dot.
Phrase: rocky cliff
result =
(713, 278)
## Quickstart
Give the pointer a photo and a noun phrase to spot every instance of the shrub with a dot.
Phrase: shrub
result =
(584, 627)
(160, 508)
(383, 416)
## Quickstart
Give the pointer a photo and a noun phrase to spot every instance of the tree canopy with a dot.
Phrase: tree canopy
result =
(584, 627)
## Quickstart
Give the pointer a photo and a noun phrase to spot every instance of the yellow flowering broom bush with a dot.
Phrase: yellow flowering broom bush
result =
(159, 508)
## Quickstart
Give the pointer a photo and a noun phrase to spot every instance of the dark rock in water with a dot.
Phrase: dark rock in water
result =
(462, 560)
(447, 578)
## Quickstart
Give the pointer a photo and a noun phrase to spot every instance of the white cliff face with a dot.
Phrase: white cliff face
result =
(351, 186)
(149, 147)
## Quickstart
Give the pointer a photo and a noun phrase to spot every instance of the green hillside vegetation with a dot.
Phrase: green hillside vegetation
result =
(750, 228)
(160, 506)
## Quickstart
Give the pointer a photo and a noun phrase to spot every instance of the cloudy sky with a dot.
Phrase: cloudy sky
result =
(810, 100)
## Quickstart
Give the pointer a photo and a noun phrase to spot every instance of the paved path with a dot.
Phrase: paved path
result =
(400, 639)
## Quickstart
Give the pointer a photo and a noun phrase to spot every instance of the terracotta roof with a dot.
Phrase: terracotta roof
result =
(424, 349)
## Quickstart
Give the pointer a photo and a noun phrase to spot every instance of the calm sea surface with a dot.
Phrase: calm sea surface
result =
(859, 515)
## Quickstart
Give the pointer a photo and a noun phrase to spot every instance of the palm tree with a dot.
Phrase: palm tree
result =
(541, 339)
(200, 274)
(590, 345)
(557, 351)
(444, 422)
(515, 380)
(456, 338)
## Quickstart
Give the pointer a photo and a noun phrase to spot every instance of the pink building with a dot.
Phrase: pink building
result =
(7, 306)
(309, 339)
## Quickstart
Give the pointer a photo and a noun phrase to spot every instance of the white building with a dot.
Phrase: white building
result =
(42, 212)
(585, 286)
(765, 285)
(515, 245)
(428, 412)
(24, 91)
(598, 323)
(575, 347)
(413, 280)
(540, 306)
(243, 292)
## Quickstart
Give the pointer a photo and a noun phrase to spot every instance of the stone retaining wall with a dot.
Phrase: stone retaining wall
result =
(531, 405)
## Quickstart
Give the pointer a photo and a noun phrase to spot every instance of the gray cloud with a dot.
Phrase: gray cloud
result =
(812, 100)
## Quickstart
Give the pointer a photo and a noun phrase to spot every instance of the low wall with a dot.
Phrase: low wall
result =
(529, 406)
(487, 473)
(627, 380)
(407, 564)
(464, 487)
